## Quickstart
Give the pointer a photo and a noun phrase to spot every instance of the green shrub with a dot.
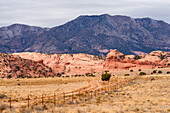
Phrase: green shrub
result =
(9, 76)
(106, 76)
(18, 68)
(126, 75)
(75, 75)
(142, 73)
(159, 71)
(40, 71)
(2, 96)
(139, 70)
(90, 75)
(50, 70)
(131, 70)
(21, 76)
(154, 71)
(29, 76)
(58, 75)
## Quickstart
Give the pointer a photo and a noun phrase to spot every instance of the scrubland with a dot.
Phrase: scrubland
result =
(148, 93)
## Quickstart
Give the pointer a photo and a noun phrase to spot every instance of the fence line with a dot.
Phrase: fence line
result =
(89, 93)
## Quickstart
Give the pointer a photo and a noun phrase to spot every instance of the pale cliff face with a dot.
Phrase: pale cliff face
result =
(67, 63)
(72, 64)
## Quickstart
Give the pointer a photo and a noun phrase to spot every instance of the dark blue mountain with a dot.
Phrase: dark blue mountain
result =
(89, 34)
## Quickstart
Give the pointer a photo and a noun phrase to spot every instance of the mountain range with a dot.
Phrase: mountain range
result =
(95, 34)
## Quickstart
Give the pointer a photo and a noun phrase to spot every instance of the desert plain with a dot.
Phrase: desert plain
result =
(148, 93)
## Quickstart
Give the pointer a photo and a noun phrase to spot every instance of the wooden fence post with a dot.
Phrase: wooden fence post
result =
(91, 93)
(72, 96)
(95, 93)
(54, 100)
(79, 95)
(28, 101)
(10, 104)
(42, 99)
(88, 93)
(63, 97)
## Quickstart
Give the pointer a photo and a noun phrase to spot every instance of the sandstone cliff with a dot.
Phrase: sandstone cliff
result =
(67, 63)
(117, 60)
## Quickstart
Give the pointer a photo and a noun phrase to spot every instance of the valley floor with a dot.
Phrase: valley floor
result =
(146, 94)
(149, 93)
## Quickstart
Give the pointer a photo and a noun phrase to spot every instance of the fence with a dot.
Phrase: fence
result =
(63, 98)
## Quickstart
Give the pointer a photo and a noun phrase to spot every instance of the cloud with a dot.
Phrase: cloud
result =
(49, 13)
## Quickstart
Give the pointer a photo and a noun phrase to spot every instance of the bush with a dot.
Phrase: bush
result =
(58, 75)
(168, 72)
(106, 76)
(50, 70)
(9, 76)
(2, 96)
(142, 73)
(126, 75)
(21, 76)
(159, 71)
(29, 76)
(139, 70)
(90, 75)
(131, 70)
(152, 79)
(154, 71)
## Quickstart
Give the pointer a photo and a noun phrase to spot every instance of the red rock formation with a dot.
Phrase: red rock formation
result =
(83, 63)
(116, 60)
(68, 63)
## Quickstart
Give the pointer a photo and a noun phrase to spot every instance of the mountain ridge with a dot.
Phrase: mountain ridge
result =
(95, 34)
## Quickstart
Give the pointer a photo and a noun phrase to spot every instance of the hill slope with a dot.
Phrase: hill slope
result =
(89, 34)
(15, 66)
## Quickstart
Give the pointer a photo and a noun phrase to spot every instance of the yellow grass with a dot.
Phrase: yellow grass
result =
(148, 93)
(21, 88)
(43, 81)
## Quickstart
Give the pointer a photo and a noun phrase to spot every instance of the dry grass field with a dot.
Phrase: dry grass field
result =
(146, 94)
(19, 89)
(149, 93)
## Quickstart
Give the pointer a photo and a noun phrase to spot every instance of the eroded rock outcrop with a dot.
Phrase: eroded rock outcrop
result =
(67, 63)
(71, 64)
(117, 60)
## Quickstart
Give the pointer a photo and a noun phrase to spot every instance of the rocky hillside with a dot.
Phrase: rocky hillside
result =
(17, 67)
(89, 34)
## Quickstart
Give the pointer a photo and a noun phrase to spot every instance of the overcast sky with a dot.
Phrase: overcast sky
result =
(50, 13)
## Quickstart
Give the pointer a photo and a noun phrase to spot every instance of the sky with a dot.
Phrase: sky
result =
(50, 13)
